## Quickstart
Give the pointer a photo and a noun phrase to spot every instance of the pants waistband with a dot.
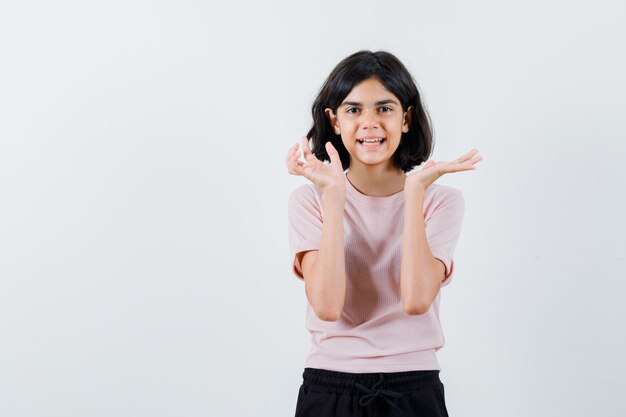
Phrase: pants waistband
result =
(324, 380)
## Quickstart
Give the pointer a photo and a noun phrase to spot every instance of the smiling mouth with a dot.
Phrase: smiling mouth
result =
(371, 142)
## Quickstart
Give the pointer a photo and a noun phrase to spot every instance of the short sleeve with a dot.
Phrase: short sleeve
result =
(443, 228)
(305, 223)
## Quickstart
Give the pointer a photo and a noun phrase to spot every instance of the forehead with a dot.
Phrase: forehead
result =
(370, 91)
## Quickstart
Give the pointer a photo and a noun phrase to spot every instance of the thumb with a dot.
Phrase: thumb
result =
(332, 153)
(431, 164)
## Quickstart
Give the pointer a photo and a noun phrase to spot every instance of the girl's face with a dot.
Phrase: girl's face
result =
(370, 113)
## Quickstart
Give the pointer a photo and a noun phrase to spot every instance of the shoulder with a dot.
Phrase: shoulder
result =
(305, 192)
(441, 194)
(443, 198)
(307, 196)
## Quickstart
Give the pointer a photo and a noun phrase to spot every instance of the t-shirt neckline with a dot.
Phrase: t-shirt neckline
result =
(372, 200)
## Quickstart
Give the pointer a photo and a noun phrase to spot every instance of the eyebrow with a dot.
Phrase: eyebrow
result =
(378, 103)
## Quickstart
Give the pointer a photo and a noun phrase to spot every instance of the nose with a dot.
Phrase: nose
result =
(369, 119)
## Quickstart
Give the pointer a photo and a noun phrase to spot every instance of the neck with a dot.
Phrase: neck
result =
(376, 181)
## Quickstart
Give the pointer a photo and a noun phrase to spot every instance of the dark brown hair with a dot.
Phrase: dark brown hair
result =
(415, 146)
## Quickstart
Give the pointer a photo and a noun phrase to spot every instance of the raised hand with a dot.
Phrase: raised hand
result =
(325, 176)
(433, 170)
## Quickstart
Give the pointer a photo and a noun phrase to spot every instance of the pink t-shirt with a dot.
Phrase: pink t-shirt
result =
(374, 333)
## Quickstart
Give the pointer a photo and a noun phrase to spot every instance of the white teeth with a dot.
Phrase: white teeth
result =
(379, 140)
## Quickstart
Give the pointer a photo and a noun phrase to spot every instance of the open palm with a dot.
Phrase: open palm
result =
(433, 170)
(324, 176)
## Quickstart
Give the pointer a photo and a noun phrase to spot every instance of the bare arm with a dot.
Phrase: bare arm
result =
(421, 274)
(324, 271)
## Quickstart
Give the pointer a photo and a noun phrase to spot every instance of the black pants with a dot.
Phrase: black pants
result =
(325, 393)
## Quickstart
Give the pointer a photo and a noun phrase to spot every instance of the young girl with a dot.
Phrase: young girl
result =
(372, 244)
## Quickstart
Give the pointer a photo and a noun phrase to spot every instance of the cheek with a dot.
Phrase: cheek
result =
(395, 124)
(348, 133)
(349, 129)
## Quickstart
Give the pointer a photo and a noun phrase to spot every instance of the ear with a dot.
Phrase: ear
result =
(406, 122)
(332, 118)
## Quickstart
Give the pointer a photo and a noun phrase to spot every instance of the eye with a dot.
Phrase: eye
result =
(388, 108)
(353, 108)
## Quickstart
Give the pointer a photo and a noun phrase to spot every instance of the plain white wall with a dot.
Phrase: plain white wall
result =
(144, 263)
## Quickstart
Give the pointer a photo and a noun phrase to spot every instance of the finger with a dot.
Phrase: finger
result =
(293, 162)
(467, 156)
(295, 154)
(291, 152)
(464, 158)
(475, 159)
(333, 154)
(308, 155)
(465, 166)
(295, 167)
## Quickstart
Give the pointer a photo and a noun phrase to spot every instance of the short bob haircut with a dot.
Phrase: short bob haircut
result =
(415, 145)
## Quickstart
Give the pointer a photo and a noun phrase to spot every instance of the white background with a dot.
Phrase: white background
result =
(144, 264)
